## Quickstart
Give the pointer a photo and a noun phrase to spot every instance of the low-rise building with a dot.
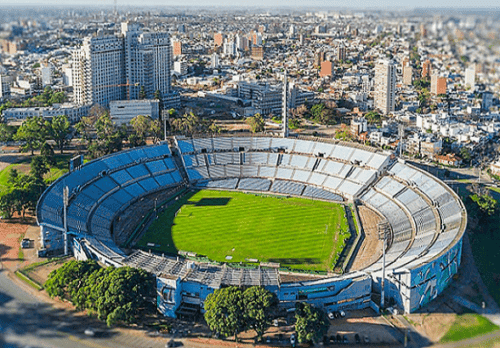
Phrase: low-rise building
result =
(122, 111)
(73, 112)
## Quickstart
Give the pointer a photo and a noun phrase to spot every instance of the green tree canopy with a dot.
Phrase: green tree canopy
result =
(256, 123)
(39, 167)
(33, 132)
(65, 281)
(6, 132)
(487, 205)
(59, 130)
(373, 117)
(113, 294)
(311, 323)
(224, 311)
(260, 304)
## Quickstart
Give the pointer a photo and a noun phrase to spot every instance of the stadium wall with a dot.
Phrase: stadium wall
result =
(410, 288)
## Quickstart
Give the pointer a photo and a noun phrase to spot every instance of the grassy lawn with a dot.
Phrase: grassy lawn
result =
(467, 326)
(23, 166)
(297, 233)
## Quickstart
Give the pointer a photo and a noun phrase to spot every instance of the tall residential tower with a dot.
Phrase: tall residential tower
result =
(132, 65)
(385, 86)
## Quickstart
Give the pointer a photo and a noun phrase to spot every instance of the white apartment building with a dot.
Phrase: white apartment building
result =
(470, 76)
(385, 86)
(18, 115)
(109, 68)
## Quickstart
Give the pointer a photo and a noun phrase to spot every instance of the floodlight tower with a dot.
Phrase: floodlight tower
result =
(284, 106)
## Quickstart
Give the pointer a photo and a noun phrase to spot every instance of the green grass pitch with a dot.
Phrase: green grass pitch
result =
(296, 232)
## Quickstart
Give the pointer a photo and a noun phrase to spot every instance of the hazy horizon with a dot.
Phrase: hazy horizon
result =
(355, 4)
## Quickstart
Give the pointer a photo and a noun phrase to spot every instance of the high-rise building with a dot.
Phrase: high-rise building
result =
(426, 68)
(122, 67)
(229, 48)
(319, 57)
(470, 76)
(341, 53)
(241, 43)
(218, 39)
(385, 86)
(407, 75)
(177, 47)
(326, 69)
(257, 52)
(214, 63)
(438, 85)
(98, 71)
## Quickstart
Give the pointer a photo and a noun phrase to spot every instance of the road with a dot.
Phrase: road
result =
(29, 321)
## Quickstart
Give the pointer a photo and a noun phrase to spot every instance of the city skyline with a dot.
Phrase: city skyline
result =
(313, 4)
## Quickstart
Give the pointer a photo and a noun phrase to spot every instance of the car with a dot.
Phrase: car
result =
(367, 339)
(345, 340)
(331, 316)
(90, 331)
(357, 338)
(333, 339)
(276, 323)
(268, 339)
(342, 313)
(293, 340)
(25, 243)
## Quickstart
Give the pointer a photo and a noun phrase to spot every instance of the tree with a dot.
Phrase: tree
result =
(6, 133)
(66, 281)
(156, 131)
(33, 133)
(47, 152)
(259, 304)
(141, 125)
(224, 311)
(487, 205)
(157, 95)
(59, 130)
(465, 154)
(214, 128)
(373, 117)
(424, 98)
(311, 323)
(256, 123)
(39, 167)
(117, 294)
(142, 93)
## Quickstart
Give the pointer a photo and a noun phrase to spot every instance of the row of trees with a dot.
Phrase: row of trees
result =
(114, 295)
(24, 189)
(47, 98)
(35, 131)
(232, 310)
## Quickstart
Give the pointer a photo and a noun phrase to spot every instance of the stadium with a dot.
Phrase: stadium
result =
(111, 205)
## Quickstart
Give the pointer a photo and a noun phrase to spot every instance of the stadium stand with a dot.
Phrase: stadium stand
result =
(107, 197)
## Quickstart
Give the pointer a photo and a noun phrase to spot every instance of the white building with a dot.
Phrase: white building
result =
(122, 111)
(214, 63)
(470, 76)
(385, 86)
(180, 68)
(46, 73)
(109, 68)
(67, 75)
(74, 113)
(229, 47)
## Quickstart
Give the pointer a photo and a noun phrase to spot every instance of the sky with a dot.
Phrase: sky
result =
(354, 4)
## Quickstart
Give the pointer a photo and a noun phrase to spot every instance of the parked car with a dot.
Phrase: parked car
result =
(331, 316)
